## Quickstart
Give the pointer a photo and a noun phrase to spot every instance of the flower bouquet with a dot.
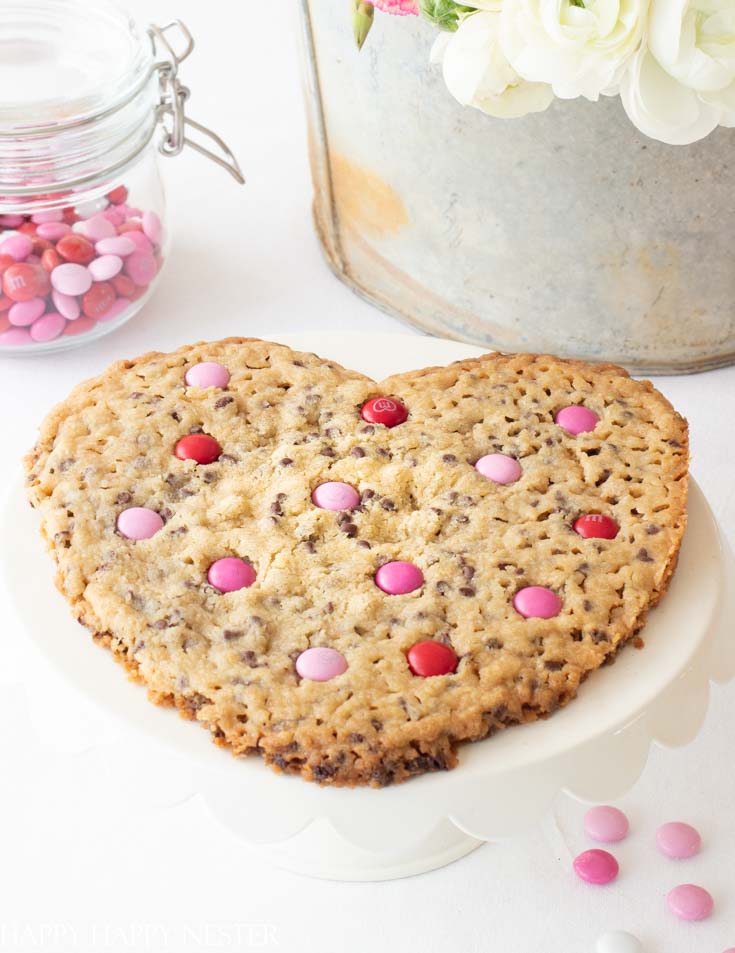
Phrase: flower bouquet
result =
(672, 62)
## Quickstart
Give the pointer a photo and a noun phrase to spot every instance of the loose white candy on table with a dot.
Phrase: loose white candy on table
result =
(618, 942)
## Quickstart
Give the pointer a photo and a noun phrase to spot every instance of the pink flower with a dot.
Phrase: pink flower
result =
(400, 8)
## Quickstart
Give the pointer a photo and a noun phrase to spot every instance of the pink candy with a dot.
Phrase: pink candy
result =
(120, 246)
(689, 902)
(231, 574)
(399, 578)
(105, 267)
(537, 602)
(321, 664)
(24, 313)
(71, 279)
(15, 337)
(66, 305)
(577, 419)
(596, 867)
(608, 825)
(679, 841)
(138, 523)
(499, 468)
(53, 231)
(141, 268)
(208, 374)
(152, 227)
(336, 496)
(18, 247)
(48, 328)
(52, 217)
(96, 228)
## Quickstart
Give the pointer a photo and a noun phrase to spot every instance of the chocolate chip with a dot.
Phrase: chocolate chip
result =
(357, 452)
(449, 458)
(355, 738)
(249, 658)
(367, 495)
(494, 644)
(364, 544)
(123, 498)
(309, 546)
(276, 509)
(443, 587)
(285, 462)
(329, 608)
(65, 464)
(553, 665)
(298, 364)
(176, 416)
(327, 452)
(468, 571)
(467, 591)
(223, 402)
(231, 634)
(388, 504)
(228, 458)
(462, 519)
(349, 529)
(367, 429)
(382, 452)
(644, 556)
(598, 636)
(653, 530)
(587, 605)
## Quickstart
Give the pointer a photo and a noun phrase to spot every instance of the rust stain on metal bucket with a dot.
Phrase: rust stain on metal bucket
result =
(366, 201)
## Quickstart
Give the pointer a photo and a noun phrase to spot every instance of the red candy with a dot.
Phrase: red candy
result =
(124, 286)
(5, 262)
(50, 259)
(22, 281)
(427, 659)
(98, 300)
(118, 196)
(28, 228)
(5, 303)
(384, 410)
(199, 447)
(596, 526)
(76, 249)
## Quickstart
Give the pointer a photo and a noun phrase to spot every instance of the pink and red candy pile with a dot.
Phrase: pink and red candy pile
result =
(675, 840)
(64, 271)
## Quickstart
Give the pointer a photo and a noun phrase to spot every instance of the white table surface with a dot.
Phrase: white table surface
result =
(100, 850)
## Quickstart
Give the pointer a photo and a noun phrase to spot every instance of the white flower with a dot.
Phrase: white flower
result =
(682, 86)
(581, 48)
(478, 74)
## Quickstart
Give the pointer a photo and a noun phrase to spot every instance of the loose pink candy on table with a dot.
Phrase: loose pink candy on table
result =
(605, 824)
(48, 328)
(25, 313)
(141, 268)
(139, 522)
(537, 602)
(120, 246)
(231, 574)
(152, 227)
(577, 419)
(335, 496)
(105, 267)
(596, 867)
(53, 231)
(499, 468)
(66, 305)
(321, 664)
(690, 902)
(71, 279)
(399, 578)
(18, 247)
(208, 374)
(678, 840)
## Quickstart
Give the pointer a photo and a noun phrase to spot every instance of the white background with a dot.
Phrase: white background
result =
(100, 850)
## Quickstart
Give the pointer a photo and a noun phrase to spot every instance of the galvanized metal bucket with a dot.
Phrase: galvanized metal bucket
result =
(565, 231)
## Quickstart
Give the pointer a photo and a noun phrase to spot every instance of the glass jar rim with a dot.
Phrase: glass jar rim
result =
(109, 64)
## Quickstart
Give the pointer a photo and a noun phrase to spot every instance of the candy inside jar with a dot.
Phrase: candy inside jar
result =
(84, 117)
(78, 270)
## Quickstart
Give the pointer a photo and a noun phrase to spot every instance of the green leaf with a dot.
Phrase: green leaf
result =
(444, 13)
(363, 15)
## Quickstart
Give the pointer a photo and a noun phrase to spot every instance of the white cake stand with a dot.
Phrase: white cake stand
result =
(595, 749)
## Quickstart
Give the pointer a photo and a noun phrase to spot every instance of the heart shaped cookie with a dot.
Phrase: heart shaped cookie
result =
(351, 578)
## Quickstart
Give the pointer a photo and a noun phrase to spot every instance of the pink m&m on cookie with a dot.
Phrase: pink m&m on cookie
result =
(335, 496)
(690, 902)
(608, 825)
(384, 410)
(577, 419)
(321, 664)
(399, 578)
(499, 468)
(678, 841)
(139, 522)
(231, 574)
(596, 867)
(208, 374)
(537, 602)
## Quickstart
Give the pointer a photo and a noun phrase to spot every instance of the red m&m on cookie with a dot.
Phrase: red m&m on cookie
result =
(596, 526)
(199, 447)
(429, 658)
(577, 419)
(385, 411)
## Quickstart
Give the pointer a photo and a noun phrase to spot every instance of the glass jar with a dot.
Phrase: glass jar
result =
(88, 102)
